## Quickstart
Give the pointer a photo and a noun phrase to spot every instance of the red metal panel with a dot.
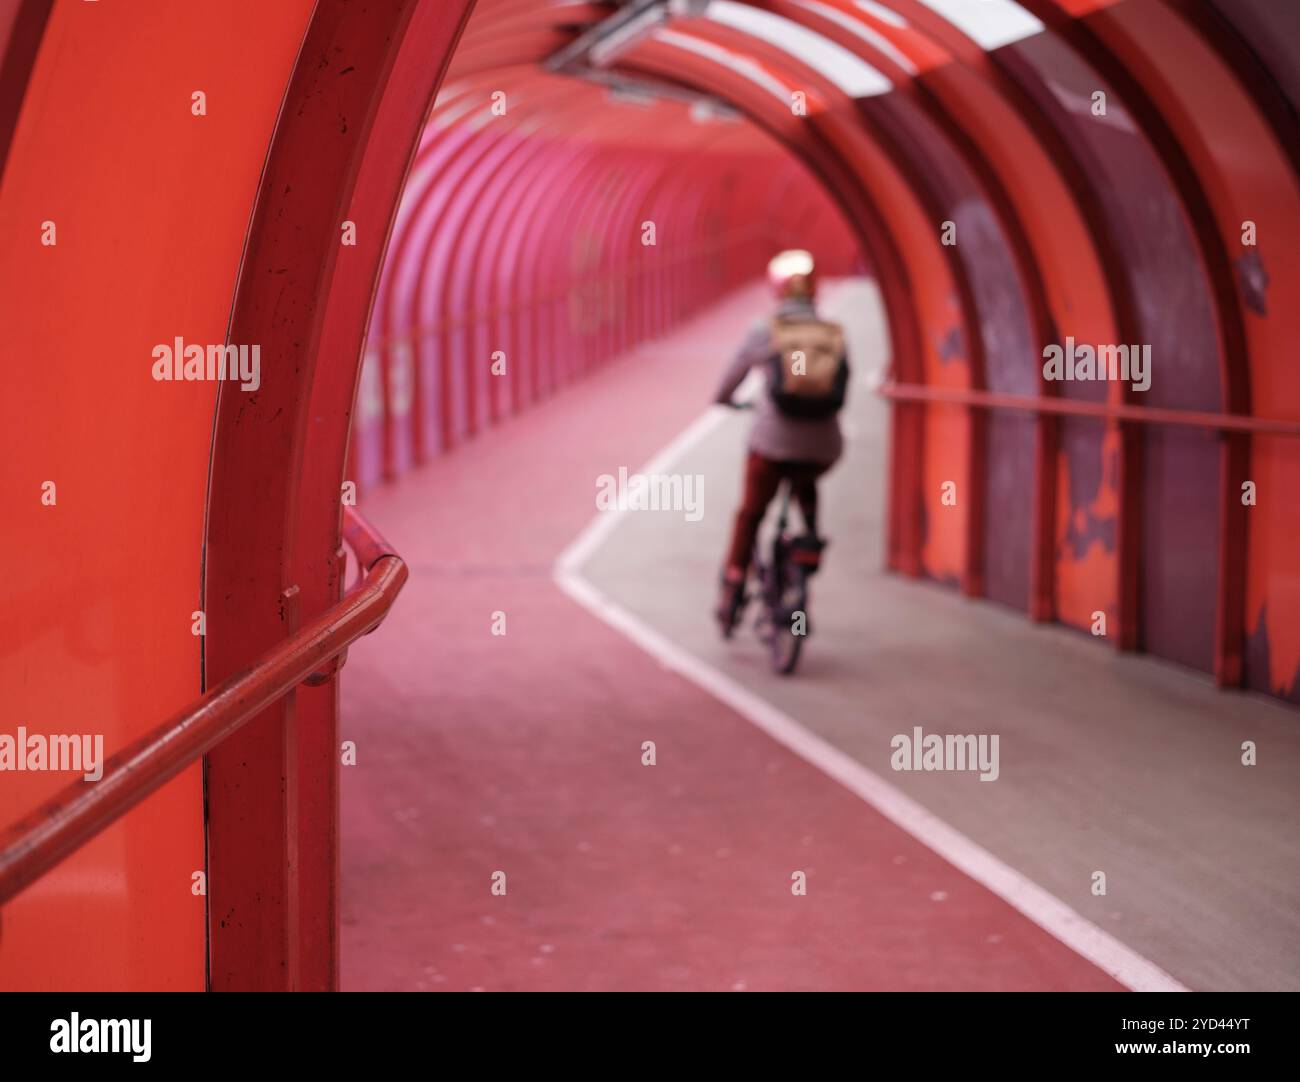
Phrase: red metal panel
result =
(85, 648)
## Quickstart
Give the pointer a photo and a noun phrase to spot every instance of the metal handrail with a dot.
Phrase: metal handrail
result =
(1099, 411)
(36, 843)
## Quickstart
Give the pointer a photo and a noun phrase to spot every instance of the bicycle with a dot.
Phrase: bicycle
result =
(783, 621)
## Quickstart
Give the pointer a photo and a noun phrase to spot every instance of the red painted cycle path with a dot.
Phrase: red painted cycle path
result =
(521, 753)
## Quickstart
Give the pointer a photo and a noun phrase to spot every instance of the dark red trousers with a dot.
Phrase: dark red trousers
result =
(763, 476)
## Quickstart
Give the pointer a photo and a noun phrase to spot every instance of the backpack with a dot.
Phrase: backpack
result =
(808, 372)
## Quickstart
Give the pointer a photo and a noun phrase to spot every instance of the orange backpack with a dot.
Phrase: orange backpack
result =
(808, 374)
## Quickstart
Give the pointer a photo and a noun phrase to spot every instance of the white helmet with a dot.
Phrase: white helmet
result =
(792, 274)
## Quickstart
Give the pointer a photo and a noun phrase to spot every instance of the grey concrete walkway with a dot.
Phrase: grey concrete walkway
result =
(1109, 763)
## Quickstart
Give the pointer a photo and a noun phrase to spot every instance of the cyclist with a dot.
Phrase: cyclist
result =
(795, 434)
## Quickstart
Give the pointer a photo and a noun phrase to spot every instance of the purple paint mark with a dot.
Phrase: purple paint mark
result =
(1252, 280)
(952, 345)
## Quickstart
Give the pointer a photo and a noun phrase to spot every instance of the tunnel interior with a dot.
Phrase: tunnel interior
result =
(434, 218)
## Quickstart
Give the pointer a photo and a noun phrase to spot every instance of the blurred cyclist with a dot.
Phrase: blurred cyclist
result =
(795, 435)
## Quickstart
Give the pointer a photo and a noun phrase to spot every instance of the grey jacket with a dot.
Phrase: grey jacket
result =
(774, 435)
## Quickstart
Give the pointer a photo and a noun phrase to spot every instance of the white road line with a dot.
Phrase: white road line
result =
(1047, 911)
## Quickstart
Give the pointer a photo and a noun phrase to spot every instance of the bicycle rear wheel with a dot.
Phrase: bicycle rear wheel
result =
(784, 646)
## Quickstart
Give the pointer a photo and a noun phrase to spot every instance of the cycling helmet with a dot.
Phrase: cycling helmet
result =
(792, 274)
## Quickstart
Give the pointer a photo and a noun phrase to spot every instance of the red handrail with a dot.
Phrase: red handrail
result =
(1100, 411)
(37, 842)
